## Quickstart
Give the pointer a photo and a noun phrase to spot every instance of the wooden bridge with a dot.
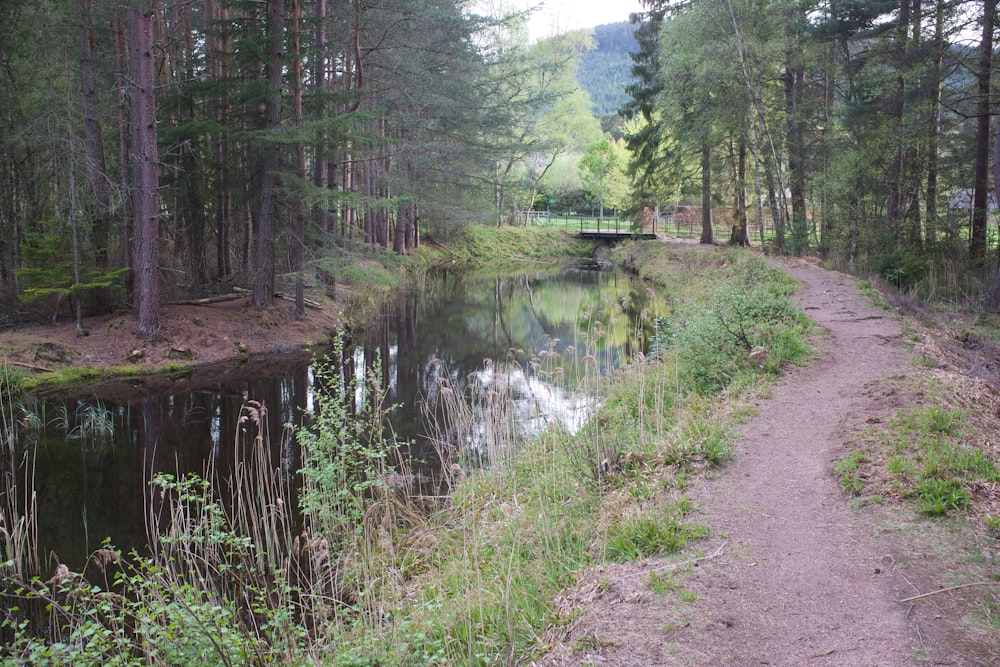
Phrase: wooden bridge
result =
(612, 232)
(613, 235)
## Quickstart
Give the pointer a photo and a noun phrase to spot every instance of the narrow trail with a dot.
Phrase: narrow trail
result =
(795, 576)
(802, 581)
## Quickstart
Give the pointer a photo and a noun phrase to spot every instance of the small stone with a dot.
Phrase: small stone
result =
(758, 357)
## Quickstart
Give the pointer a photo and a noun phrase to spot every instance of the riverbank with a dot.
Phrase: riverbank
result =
(225, 331)
(652, 516)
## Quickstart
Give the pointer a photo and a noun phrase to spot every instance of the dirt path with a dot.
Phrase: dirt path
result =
(797, 578)
(802, 581)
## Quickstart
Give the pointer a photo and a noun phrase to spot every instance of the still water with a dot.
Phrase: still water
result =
(94, 454)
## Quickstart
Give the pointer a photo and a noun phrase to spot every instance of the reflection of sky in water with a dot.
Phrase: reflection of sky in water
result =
(542, 323)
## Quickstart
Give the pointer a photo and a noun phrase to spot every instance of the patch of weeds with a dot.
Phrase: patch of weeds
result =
(992, 523)
(587, 643)
(668, 583)
(848, 469)
(650, 535)
(12, 382)
(928, 455)
(868, 289)
(700, 440)
(937, 496)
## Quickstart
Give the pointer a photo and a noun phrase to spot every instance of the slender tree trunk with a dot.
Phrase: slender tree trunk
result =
(706, 194)
(299, 231)
(740, 235)
(980, 181)
(145, 179)
(128, 201)
(263, 275)
(794, 82)
(97, 173)
(756, 184)
(897, 167)
(320, 82)
(74, 222)
(777, 210)
(934, 131)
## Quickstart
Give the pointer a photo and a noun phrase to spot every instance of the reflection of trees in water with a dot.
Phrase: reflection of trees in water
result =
(440, 336)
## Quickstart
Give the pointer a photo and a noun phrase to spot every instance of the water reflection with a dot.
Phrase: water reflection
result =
(540, 334)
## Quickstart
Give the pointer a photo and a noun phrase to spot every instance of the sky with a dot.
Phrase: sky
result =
(556, 16)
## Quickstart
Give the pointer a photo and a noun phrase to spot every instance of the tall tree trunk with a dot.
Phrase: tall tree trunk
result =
(128, 201)
(934, 130)
(320, 171)
(794, 83)
(740, 235)
(263, 276)
(97, 173)
(706, 194)
(993, 293)
(217, 54)
(299, 230)
(980, 183)
(145, 179)
(897, 167)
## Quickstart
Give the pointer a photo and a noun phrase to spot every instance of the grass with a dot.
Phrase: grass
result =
(652, 534)
(379, 577)
(497, 246)
(928, 455)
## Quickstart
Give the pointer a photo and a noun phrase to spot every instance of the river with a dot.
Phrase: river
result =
(541, 333)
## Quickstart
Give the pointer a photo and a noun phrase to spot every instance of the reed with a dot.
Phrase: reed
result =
(18, 507)
(372, 573)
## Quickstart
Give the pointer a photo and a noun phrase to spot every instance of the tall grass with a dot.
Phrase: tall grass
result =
(18, 506)
(371, 573)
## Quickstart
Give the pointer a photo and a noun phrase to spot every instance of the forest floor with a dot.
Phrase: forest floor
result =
(795, 572)
(192, 341)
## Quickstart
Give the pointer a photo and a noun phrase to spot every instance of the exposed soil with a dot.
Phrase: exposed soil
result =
(793, 574)
(206, 340)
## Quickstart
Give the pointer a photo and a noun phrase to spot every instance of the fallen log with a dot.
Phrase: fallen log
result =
(207, 300)
(315, 305)
(29, 366)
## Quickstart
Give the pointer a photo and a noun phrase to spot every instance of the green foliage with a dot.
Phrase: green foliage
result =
(926, 454)
(345, 455)
(750, 311)
(700, 440)
(652, 534)
(606, 70)
(848, 470)
(12, 381)
(936, 496)
(48, 273)
(902, 267)
(498, 246)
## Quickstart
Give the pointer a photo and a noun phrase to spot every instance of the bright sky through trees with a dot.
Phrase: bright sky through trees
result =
(556, 16)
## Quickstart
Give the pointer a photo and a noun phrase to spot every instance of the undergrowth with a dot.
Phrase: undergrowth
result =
(376, 574)
(928, 455)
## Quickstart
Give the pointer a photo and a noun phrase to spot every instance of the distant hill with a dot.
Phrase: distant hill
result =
(605, 71)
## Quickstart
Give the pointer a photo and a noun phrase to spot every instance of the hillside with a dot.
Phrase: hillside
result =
(605, 71)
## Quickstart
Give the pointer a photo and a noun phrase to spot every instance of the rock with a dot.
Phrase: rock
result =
(758, 356)
(136, 355)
